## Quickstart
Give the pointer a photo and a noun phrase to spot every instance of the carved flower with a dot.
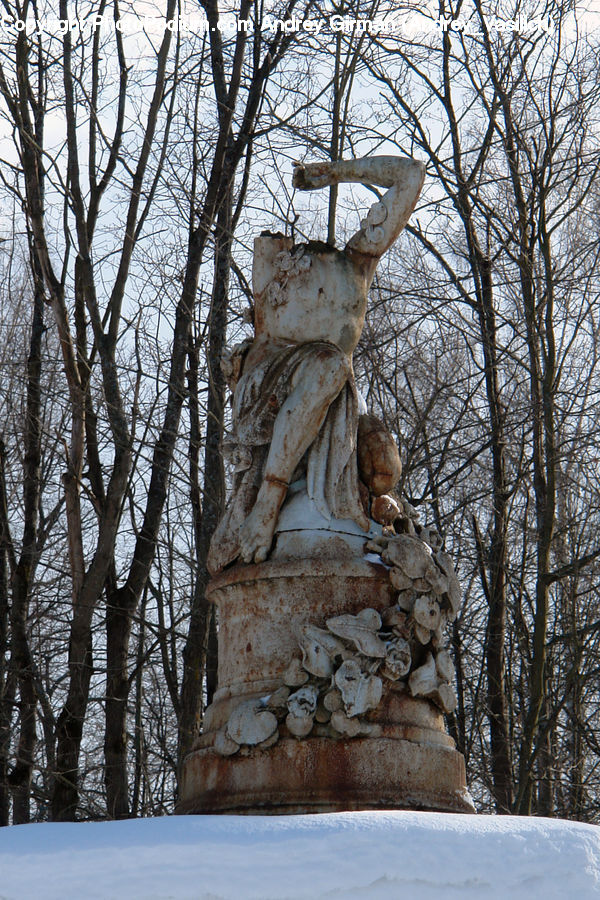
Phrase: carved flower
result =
(398, 659)
(302, 706)
(303, 702)
(360, 691)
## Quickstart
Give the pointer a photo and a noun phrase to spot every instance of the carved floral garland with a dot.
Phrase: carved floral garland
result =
(345, 665)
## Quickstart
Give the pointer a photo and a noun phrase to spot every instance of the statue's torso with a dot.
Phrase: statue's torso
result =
(311, 294)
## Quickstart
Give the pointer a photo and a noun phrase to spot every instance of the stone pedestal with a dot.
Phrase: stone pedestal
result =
(407, 761)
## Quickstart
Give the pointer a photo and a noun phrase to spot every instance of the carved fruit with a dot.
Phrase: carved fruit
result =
(341, 723)
(384, 510)
(445, 698)
(424, 680)
(333, 700)
(422, 634)
(379, 463)
(444, 666)
(322, 715)
(299, 726)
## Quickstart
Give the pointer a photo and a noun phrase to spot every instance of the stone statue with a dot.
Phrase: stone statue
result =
(295, 407)
(333, 668)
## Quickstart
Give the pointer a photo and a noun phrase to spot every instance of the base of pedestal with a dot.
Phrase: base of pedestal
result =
(318, 775)
(405, 761)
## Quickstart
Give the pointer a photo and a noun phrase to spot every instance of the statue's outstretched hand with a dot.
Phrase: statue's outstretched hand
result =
(312, 176)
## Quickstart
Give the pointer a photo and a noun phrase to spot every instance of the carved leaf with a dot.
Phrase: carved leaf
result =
(409, 554)
(319, 649)
(295, 675)
(264, 745)
(406, 600)
(453, 591)
(361, 630)
(427, 612)
(424, 680)
(250, 723)
(444, 666)
(224, 746)
(437, 582)
(399, 580)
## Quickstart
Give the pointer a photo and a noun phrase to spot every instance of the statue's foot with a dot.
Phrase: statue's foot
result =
(256, 533)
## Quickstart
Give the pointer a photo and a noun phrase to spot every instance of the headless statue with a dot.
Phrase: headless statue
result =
(295, 407)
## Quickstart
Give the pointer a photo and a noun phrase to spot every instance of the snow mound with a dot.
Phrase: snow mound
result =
(413, 855)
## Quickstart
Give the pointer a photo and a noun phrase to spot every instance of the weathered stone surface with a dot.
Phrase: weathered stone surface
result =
(427, 612)
(250, 723)
(303, 703)
(311, 681)
(379, 463)
(361, 630)
(384, 509)
(398, 659)
(360, 691)
(396, 755)
(316, 775)
(295, 675)
(319, 649)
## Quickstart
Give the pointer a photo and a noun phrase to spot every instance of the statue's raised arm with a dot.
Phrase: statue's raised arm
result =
(385, 220)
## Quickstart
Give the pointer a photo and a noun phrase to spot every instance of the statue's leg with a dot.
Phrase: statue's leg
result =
(315, 384)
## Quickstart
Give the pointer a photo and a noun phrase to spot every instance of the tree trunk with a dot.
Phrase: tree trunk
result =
(194, 654)
(118, 630)
(6, 687)
(21, 662)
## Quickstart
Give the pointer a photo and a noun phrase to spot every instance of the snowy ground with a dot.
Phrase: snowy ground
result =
(417, 856)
